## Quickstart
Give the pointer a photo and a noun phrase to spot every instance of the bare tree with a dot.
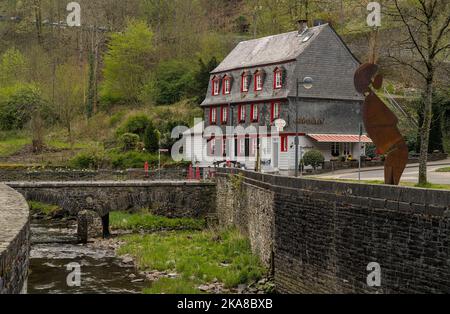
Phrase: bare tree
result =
(423, 47)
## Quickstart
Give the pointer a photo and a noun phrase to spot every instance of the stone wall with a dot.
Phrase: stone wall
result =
(14, 241)
(250, 209)
(167, 198)
(24, 174)
(326, 233)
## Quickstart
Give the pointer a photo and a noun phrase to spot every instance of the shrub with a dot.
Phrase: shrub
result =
(151, 138)
(93, 158)
(129, 141)
(132, 159)
(136, 124)
(313, 158)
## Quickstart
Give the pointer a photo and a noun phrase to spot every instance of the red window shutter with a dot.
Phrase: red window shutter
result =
(239, 113)
(275, 78)
(251, 112)
(271, 112)
(210, 115)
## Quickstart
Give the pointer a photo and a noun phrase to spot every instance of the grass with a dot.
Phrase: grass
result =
(198, 256)
(149, 222)
(11, 146)
(403, 183)
(446, 169)
(46, 209)
(172, 286)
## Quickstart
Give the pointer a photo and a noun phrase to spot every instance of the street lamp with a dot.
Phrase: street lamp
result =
(307, 83)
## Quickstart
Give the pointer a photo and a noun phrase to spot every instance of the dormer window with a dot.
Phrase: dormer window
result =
(226, 85)
(215, 86)
(258, 81)
(244, 82)
(277, 78)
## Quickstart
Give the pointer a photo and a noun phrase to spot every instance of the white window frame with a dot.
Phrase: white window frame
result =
(227, 86)
(214, 115)
(255, 113)
(278, 79)
(276, 110)
(224, 115)
(258, 82)
(216, 87)
(244, 83)
(242, 113)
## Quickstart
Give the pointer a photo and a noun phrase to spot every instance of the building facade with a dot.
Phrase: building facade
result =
(256, 86)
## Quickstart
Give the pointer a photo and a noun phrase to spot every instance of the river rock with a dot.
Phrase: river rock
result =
(89, 225)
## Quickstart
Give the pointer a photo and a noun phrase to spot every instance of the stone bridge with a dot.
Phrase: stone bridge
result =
(166, 198)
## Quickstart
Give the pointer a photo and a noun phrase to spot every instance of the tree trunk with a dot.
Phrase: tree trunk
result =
(425, 131)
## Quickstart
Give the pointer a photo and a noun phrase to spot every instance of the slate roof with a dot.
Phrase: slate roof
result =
(269, 50)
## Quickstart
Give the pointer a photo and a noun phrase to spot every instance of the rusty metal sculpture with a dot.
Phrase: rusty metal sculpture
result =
(381, 124)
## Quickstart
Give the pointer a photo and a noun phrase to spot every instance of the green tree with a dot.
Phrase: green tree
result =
(128, 62)
(202, 78)
(313, 158)
(151, 138)
(13, 67)
(136, 124)
(173, 80)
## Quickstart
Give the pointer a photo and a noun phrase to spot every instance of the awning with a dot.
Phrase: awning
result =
(340, 138)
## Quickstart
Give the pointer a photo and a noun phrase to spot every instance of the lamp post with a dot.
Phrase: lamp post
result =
(307, 83)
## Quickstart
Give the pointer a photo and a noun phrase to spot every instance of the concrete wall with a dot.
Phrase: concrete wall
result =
(324, 234)
(168, 198)
(14, 241)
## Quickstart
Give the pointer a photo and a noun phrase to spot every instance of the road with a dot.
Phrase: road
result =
(410, 174)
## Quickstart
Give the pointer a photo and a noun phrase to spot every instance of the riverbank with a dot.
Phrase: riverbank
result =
(146, 254)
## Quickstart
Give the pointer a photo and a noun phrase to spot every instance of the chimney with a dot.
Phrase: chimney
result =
(302, 26)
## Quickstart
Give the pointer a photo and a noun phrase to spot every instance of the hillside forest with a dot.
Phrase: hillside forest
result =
(108, 93)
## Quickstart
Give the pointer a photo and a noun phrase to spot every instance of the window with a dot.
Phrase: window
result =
(244, 82)
(335, 150)
(241, 113)
(258, 81)
(284, 143)
(277, 78)
(212, 146)
(226, 85)
(253, 146)
(254, 113)
(275, 112)
(215, 86)
(213, 115)
(347, 149)
(241, 146)
(224, 115)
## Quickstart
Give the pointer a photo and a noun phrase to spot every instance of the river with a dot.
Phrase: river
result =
(54, 246)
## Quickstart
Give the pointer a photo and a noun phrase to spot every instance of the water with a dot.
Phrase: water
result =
(54, 246)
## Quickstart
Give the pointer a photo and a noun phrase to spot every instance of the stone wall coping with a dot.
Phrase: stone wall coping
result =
(409, 195)
(14, 214)
(59, 184)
